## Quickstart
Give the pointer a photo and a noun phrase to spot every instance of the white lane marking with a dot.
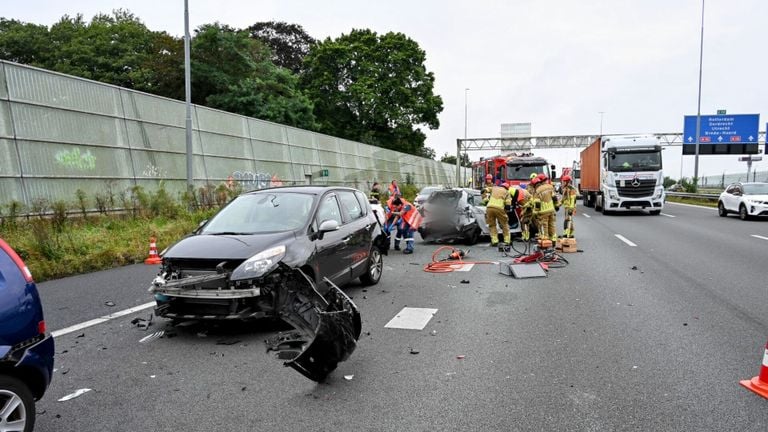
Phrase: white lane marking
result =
(586, 215)
(411, 318)
(625, 240)
(760, 237)
(668, 215)
(100, 320)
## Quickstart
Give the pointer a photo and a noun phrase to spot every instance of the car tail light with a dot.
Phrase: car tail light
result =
(41, 327)
(17, 260)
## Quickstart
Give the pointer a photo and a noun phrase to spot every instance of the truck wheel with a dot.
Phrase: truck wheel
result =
(598, 204)
(17, 399)
(604, 210)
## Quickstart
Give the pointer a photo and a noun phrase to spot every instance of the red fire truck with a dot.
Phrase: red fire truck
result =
(514, 168)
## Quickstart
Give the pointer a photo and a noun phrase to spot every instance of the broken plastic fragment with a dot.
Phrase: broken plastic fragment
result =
(460, 357)
(153, 336)
(109, 303)
(77, 393)
(327, 326)
(348, 377)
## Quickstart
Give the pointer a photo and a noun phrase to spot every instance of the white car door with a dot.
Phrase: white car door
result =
(730, 201)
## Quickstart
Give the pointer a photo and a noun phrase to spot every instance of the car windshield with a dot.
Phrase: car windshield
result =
(449, 198)
(261, 213)
(637, 161)
(756, 189)
(523, 172)
(428, 190)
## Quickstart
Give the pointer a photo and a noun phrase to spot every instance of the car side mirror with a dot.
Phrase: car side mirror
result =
(329, 225)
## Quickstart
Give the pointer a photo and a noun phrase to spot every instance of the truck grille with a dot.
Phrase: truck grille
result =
(643, 189)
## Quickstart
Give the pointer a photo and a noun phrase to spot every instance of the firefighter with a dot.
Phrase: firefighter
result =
(375, 192)
(496, 213)
(569, 204)
(544, 208)
(486, 193)
(522, 199)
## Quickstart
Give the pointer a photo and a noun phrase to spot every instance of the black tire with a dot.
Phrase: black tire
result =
(743, 215)
(473, 237)
(721, 209)
(655, 212)
(374, 269)
(15, 389)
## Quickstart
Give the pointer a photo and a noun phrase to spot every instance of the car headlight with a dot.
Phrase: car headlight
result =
(258, 264)
(612, 194)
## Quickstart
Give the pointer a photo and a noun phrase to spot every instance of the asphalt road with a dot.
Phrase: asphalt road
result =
(648, 337)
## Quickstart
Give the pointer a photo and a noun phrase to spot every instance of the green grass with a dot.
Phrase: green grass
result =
(94, 243)
(694, 201)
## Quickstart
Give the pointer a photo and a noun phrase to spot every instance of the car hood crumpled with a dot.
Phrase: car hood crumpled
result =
(240, 247)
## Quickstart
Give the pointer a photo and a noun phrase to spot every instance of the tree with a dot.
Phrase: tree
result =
(451, 159)
(111, 48)
(233, 72)
(427, 152)
(24, 43)
(373, 89)
(289, 43)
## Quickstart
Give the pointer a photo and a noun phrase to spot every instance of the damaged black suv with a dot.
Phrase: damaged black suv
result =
(236, 265)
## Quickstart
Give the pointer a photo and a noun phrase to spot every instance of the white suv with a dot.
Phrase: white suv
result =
(746, 199)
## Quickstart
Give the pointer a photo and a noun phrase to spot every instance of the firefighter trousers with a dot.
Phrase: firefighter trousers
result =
(494, 215)
(568, 227)
(547, 226)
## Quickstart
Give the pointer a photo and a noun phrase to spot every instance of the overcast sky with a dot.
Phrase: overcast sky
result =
(553, 63)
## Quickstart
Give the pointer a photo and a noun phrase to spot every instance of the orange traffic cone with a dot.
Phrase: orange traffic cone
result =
(153, 258)
(759, 384)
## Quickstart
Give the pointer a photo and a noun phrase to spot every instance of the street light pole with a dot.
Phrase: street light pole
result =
(698, 109)
(601, 121)
(188, 97)
(458, 156)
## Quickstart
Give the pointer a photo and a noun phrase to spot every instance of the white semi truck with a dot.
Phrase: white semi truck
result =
(623, 173)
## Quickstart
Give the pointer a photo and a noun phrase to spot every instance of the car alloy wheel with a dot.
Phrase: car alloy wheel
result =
(743, 215)
(16, 405)
(721, 209)
(375, 268)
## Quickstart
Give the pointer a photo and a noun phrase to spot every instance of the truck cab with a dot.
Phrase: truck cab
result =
(631, 176)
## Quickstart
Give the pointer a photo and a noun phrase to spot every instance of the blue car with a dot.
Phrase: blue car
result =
(26, 347)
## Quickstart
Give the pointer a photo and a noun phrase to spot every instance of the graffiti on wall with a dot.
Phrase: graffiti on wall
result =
(76, 160)
(256, 180)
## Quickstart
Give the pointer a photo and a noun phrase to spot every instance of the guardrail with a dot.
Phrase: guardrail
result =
(711, 197)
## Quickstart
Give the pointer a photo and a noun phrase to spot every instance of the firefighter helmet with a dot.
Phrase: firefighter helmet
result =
(542, 177)
(534, 181)
(533, 176)
(565, 178)
(488, 177)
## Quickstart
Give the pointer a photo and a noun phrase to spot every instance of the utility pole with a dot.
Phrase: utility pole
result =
(458, 157)
(698, 109)
(188, 97)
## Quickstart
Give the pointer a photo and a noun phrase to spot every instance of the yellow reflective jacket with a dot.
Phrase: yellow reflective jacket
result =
(486, 193)
(544, 195)
(499, 197)
(569, 197)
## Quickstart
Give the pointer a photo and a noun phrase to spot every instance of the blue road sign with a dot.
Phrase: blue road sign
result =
(723, 129)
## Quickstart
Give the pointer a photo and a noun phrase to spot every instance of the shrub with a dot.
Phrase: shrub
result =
(59, 218)
(82, 202)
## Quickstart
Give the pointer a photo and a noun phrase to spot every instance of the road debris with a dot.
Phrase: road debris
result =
(151, 337)
(77, 393)
(634, 267)
(413, 351)
(141, 323)
(348, 377)
(80, 335)
(460, 357)
(464, 281)
(227, 341)
(109, 303)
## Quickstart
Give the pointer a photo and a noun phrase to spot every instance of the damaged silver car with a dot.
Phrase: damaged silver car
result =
(233, 266)
(453, 215)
